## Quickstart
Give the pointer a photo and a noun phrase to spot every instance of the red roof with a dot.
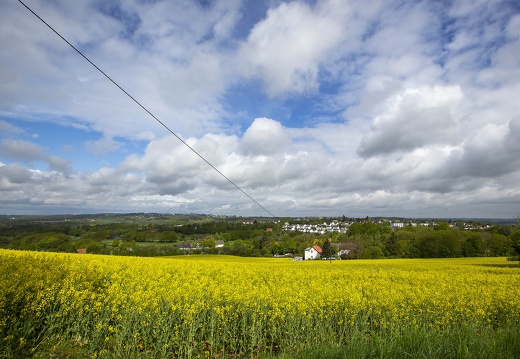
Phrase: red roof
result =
(317, 248)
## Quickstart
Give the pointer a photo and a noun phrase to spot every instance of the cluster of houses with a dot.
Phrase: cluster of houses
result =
(192, 246)
(340, 227)
(323, 228)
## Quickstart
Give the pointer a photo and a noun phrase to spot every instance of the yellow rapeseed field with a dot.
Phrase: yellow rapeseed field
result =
(209, 306)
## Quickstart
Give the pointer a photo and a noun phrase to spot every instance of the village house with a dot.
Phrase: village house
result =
(313, 252)
(342, 249)
(184, 246)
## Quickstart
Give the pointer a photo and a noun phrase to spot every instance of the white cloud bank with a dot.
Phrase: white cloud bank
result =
(481, 172)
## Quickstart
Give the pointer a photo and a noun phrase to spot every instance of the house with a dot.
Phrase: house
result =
(313, 252)
(341, 249)
(396, 225)
(81, 250)
(184, 246)
(219, 243)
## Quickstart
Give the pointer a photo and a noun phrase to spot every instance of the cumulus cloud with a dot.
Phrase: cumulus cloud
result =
(286, 49)
(491, 152)
(20, 150)
(103, 146)
(28, 152)
(415, 118)
(6, 128)
(12, 175)
(264, 137)
(170, 177)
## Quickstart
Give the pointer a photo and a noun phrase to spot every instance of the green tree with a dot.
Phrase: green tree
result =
(327, 251)
(372, 252)
(53, 242)
(288, 245)
(474, 246)
(168, 236)
(208, 242)
(496, 244)
(391, 244)
(355, 229)
(515, 239)
(441, 226)
(94, 247)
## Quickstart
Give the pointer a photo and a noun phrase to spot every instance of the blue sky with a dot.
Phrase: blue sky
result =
(326, 107)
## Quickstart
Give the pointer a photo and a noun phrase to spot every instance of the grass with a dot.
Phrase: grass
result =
(466, 342)
(462, 342)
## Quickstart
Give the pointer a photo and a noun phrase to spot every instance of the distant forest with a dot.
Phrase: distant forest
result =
(166, 235)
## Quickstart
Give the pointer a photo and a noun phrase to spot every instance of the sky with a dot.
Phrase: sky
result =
(393, 108)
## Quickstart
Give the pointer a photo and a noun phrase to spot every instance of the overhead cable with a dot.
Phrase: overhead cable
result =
(145, 109)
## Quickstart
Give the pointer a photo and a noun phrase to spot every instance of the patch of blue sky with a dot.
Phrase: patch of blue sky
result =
(72, 144)
(308, 111)
(248, 101)
(123, 148)
(252, 13)
(113, 9)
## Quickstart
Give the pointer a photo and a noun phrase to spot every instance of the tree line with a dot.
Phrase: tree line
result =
(364, 239)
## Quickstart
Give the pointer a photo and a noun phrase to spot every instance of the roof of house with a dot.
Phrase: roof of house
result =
(317, 248)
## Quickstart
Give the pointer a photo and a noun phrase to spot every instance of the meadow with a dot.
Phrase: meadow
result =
(92, 306)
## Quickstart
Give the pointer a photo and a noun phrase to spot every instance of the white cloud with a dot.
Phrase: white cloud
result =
(29, 152)
(415, 118)
(12, 175)
(264, 137)
(492, 151)
(6, 128)
(103, 146)
(287, 48)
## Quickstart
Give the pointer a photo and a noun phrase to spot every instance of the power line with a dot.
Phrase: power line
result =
(145, 109)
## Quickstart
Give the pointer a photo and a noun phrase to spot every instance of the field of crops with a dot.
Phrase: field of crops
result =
(217, 306)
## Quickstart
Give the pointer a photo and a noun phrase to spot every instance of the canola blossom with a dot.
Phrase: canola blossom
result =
(212, 306)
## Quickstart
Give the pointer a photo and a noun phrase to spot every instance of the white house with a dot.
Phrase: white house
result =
(313, 252)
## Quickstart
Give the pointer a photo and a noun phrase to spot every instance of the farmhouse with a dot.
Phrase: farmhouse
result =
(313, 252)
